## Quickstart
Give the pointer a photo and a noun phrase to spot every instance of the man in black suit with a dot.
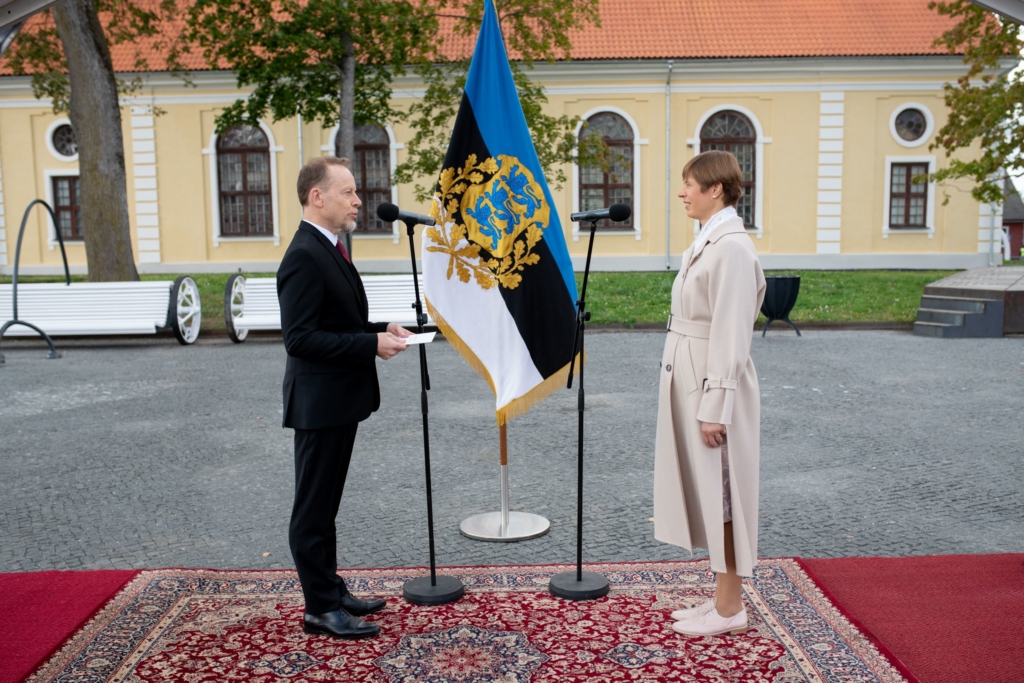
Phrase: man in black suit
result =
(330, 385)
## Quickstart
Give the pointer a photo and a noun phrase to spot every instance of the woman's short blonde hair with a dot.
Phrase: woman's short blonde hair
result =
(713, 167)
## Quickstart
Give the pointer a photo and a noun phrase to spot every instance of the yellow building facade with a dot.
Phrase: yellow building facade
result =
(830, 145)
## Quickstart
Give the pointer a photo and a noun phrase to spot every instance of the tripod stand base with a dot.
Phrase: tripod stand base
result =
(521, 526)
(592, 587)
(781, 320)
(420, 592)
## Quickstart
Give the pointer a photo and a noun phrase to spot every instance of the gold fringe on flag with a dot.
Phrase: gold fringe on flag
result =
(517, 406)
(460, 346)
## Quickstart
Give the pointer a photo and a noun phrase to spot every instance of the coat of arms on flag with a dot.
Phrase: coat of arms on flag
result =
(497, 274)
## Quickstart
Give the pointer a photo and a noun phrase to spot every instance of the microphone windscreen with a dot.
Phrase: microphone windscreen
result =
(619, 212)
(388, 212)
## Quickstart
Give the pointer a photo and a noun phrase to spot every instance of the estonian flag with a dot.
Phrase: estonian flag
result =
(497, 275)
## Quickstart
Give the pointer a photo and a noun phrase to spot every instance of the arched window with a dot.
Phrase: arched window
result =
(598, 188)
(371, 166)
(243, 166)
(732, 132)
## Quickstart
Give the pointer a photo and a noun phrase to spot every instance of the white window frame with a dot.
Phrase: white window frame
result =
(929, 127)
(761, 141)
(929, 218)
(48, 176)
(396, 234)
(275, 197)
(73, 159)
(638, 142)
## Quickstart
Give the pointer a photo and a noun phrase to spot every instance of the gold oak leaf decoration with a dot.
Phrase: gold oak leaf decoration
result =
(466, 262)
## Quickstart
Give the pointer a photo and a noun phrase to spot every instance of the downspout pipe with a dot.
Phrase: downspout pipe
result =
(668, 167)
(992, 235)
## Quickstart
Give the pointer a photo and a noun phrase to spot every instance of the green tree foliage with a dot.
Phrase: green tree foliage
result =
(534, 30)
(336, 61)
(986, 104)
(37, 50)
(331, 61)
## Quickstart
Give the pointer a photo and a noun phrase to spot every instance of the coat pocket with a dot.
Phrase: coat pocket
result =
(677, 364)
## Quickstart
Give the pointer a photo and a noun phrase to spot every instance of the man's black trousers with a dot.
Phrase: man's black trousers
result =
(321, 465)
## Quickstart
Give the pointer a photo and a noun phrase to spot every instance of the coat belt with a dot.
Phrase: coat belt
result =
(689, 328)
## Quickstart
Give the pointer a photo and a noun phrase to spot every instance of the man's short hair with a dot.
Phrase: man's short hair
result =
(314, 174)
(713, 167)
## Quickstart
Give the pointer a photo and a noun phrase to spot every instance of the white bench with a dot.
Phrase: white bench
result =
(105, 308)
(251, 304)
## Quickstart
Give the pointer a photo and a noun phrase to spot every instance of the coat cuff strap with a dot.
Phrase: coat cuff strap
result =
(716, 404)
(720, 384)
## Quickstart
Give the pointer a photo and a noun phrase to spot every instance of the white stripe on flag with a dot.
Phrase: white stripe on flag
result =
(481, 320)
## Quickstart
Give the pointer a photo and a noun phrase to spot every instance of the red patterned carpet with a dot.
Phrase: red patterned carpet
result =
(200, 626)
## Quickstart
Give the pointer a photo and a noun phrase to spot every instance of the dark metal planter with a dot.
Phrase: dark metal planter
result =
(779, 298)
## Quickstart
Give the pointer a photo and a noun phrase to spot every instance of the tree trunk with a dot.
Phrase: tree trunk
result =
(96, 119)
(347, 109)
(347, 100)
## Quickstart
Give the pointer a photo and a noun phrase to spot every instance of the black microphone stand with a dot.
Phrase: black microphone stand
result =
(580, 585)
(432, 590)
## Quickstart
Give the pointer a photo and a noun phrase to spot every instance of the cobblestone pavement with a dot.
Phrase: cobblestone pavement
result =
(874, 443)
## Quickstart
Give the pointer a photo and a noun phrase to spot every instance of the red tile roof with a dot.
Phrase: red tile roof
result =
(689, 29)
(704, 29)
(714, 29)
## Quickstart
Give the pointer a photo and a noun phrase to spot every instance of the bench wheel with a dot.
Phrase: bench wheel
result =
(186, 312)
(234, 304)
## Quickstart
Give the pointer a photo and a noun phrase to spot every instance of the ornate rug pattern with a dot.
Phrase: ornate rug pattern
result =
(205, 626)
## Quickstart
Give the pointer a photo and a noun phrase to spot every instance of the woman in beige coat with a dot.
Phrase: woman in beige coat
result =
(709, 408)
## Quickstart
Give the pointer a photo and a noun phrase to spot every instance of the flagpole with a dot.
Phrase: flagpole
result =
(435, 590)
(504, 526)
(580, 585)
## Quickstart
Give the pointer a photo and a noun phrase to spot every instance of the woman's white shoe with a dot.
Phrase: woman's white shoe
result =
(702, 608)
(712, 624)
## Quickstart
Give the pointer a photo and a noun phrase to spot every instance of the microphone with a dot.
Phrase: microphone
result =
(616, 212)
(389, 213)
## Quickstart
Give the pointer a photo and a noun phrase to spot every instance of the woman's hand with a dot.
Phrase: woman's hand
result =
(713, 434)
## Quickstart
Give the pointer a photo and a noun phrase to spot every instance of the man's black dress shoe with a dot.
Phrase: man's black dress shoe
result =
(339, 624)
(360, 608)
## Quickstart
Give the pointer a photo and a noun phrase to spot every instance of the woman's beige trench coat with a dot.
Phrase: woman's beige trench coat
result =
(707, 376)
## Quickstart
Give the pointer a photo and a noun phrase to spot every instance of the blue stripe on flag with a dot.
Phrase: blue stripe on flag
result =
(499, 116)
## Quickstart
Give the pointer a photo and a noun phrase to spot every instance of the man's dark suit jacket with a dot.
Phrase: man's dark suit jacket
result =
(331, 375)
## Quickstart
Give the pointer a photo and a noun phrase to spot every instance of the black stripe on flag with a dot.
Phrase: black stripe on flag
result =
(541, 307)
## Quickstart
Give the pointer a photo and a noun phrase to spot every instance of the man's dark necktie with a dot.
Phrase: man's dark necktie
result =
(344, 252)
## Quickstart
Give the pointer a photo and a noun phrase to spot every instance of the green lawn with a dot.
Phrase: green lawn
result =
(632, 298)
(825, 296)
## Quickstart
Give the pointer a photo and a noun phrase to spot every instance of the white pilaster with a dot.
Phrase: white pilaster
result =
(985, 230)
(3, 225)
(831, 115)
(147, 214)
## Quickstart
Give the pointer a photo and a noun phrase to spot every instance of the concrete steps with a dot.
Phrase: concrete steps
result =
(958, 316)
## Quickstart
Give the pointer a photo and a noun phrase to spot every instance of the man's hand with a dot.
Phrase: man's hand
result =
(399, 331)
(388, 344)
(713, 434)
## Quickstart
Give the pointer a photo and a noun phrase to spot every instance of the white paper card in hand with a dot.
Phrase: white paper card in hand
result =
(424, 338)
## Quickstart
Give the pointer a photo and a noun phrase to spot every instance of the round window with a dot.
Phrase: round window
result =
(911, 124)
(64, 141)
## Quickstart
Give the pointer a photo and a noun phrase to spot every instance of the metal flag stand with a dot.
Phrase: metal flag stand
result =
(580, 585)
(432, 590)
(504, 526)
